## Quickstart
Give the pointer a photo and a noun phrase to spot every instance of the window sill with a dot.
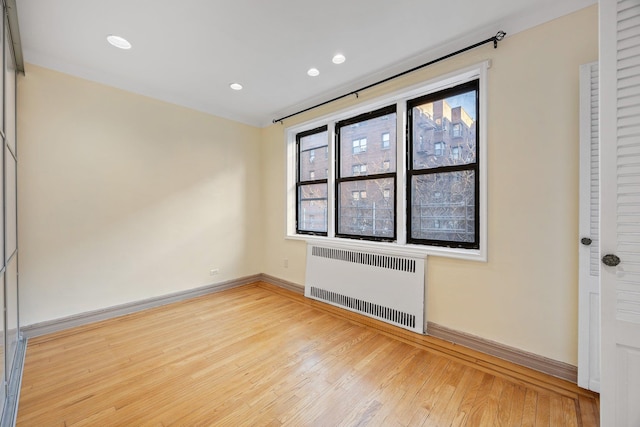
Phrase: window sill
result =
(393, 248)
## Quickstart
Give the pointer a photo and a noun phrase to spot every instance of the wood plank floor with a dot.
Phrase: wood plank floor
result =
(261, 355)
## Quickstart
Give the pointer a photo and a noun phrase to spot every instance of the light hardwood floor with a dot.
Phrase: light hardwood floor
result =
(261, 355)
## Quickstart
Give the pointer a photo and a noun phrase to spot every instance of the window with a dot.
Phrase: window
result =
(359, 145)
(359, 194)
(373, 217)
(457, 130)
(438, 207)
(440, 188)
(385, 140)
(311, 206)
(438, 148)
(359, 169)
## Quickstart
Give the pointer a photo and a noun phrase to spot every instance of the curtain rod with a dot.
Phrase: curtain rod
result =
(495, 39)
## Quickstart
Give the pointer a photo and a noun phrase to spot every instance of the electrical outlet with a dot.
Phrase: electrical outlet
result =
(214, 271)
(286, 263)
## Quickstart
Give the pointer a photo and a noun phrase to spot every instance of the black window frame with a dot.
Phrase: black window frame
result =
(364, 177)
(475, 167)
(300, 183)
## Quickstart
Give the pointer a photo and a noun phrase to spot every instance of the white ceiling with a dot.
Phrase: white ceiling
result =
(187, 52)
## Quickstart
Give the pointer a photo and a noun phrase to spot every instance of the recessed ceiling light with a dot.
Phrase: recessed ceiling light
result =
(339, 59)
(313, 72)
(118, 42)
(235, 86)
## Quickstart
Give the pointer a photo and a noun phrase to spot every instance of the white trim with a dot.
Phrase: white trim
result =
(483, 163)
(399, 97)
(391, 248)
(401, 175)
(290, 195)
(331, 177)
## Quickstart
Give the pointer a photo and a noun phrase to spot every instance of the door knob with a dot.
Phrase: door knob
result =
(586, 241)
(610, 260)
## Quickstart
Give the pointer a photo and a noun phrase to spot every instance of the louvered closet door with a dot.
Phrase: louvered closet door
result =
(620, 211)
(589, 253)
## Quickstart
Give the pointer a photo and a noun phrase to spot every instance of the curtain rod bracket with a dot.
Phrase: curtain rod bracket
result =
(498, 37)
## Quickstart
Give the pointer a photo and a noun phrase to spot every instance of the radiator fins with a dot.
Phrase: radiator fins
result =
(376, 310)
(387, 287)
(376, 260)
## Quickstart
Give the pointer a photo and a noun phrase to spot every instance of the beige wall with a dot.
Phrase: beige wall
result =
(124, 198)
(525, 296)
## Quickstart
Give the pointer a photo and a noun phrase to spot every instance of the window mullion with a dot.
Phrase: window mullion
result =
(331, 180)
(401, 172)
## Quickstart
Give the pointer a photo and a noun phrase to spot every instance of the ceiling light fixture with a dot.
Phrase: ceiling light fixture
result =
(235, 86)
(339, 59)
(118, 42)
(313, 72)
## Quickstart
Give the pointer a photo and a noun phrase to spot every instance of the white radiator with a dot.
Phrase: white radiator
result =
(386, 287)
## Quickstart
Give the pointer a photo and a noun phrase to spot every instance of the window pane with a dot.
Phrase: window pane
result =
(366, 146)
(312, 208)
(366, 208)
(443, 206)
(314, 157)
(386, 140)
(444, 132)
